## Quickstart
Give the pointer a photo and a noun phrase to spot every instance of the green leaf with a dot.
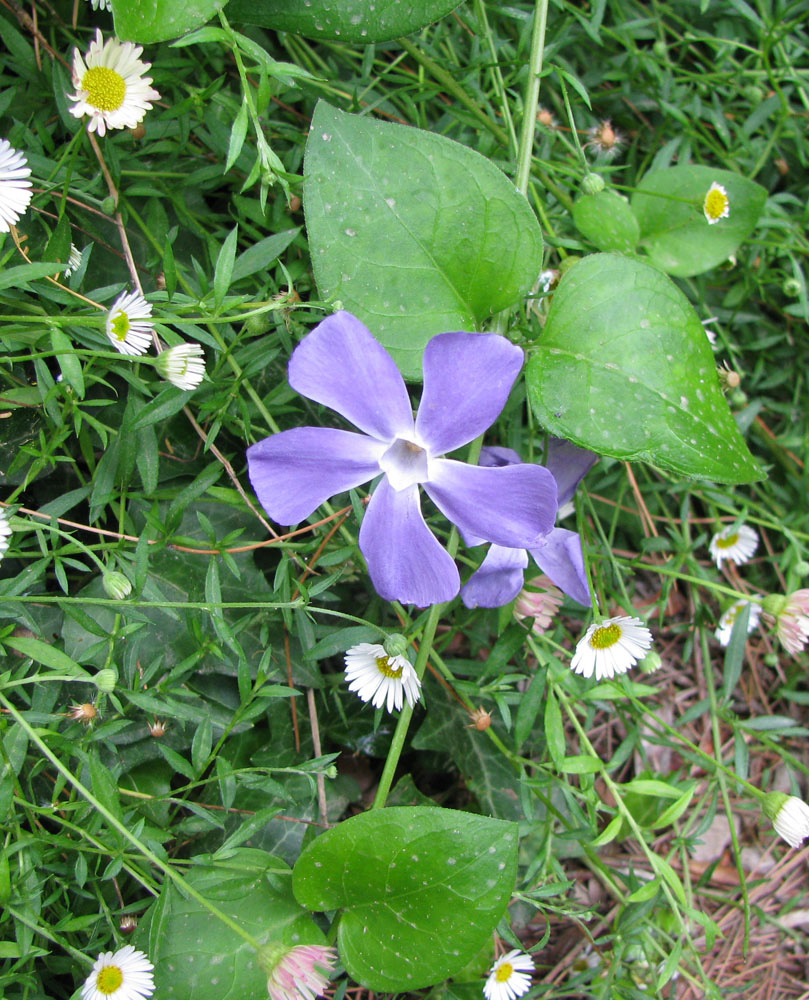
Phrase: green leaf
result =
(196, 956)
(223, 270)
(673, 228)
(421, 890)
(411, 232)
(237, 136)
(360, 21)
(157, 20)
(624, 368)
(68, 362)
(607, 221)
(17, 277)
(47, 655)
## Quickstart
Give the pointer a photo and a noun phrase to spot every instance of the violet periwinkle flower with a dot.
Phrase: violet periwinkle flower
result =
(558, 553)
(467, 379)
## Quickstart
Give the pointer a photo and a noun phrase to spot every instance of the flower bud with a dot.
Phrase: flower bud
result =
(593, 184)
(802, 567)
(116, 585)
(105, 680)
(791, 287)
(789, 816)
(650, 663)
(396, 644)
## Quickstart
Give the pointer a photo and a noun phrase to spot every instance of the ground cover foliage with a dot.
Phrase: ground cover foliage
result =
(182, 765)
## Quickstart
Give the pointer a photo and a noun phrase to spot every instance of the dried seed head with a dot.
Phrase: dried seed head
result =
(481, 719)
(158, 728)
(546, 118)
(128, 924)
(86, 713)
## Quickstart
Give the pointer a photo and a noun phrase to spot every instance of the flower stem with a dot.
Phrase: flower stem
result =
(531, 101)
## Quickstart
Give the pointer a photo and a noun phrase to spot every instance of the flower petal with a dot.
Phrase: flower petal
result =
(342, 365)
(405, 560)
(295, 471)
(560, 557)
(467, 379)
(569, 465)
(498, 580)
(514, 506)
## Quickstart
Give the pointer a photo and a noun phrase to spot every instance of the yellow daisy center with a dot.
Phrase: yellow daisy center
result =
(605, 636)
(504, 973)
(384, 667)
(120, 325)
(716, 203)
(105, 88)
(727, 541)
(109, 979)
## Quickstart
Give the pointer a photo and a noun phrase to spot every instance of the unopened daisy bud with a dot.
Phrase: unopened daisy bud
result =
(716, 205)
(116, 585)
(183, 366)
(129, 324)
(105, 680)
(15, 188)
(539, 600)
(791, 615)
(509, 977)
(593, 184)
(792, 287)
(651, 663)
(380, 678)
(802, 567)
(789, 815)
(301, 972)
(396, 644)
(611, 648)
(736, 544)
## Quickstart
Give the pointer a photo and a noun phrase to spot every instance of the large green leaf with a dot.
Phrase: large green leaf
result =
(360, 21)
(148, 21)
(673, 228)
(412, 232)
(624, 368)
(196, 956)
(421, 890)
(607, 221)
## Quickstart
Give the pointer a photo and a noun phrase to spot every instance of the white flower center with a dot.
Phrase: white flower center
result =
(405, 463)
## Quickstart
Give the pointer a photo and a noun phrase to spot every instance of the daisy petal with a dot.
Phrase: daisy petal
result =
(467, 379)
(295, 471)
(514, 506)
(342, 365)
(498, 579)
(405, 560)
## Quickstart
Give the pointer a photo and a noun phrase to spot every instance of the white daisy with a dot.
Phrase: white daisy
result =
(101, 4)
(717, 204)
(789, 815)
(611, 648)
(73, 260)
(129, 326)
(5, 533)
(122, 975)
(509, 977)
(729, 616)
(378, 677)
(15, 188)
(110, 85)
(183, 366)
(736, 544)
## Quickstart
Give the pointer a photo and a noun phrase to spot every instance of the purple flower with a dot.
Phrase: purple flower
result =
(558, 553)
(467, 379)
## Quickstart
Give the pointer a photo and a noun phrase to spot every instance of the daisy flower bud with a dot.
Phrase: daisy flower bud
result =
(105, 680)
(129, 325)
(593, 184)
(116, 585)
(611, 648)
(122, 975)
(381, 678)
(15, 188)
(111, 86)
(183, 366)
(717, 204)
(789, 816)
(791, 615)
(509, 977)
(737, 544)
(296, 973)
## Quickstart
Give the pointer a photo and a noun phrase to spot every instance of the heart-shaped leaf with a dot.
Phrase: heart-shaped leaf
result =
(360, 21)
(420, 889)
(413, 233)
(607, 221)
(624, 368)
(673, 228)
(147, 21)
(196, 956)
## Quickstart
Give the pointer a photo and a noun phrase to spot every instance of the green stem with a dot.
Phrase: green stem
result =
(531, 103)
(116, 824)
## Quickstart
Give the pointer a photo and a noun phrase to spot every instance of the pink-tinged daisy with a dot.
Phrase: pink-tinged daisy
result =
(540, 600)
(611, 648)
(379, 677)
(791, 616)
(736, 544)
(717, 204)
(789, 816)
(729, 616)
(301, 972)
(129, 324)
(122, 975)
(509, 977)
(111, 85)
(15, 188)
